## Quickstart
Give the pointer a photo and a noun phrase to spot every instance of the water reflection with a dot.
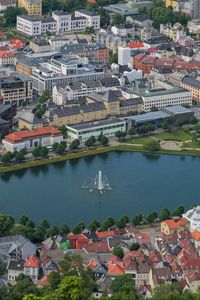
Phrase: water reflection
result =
(59, 165)
(151, 156)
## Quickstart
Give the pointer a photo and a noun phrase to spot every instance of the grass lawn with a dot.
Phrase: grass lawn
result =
(139, 140)
(191, 145)
(179, 135)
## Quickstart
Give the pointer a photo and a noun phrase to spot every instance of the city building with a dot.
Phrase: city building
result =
(194, 25)
(60, 22)
(29, 121)
(17, 89)
(97, 53)
(31, 139)
(190, 7)
(7, 113)
(39, 44)
(32, 267)
(193, 217)
(125, 52)
(57, 42)
(7, 3)
(107, 127)
(62, 70)
(15, 247)
(33, 7)
(7, 58)
(15, 268)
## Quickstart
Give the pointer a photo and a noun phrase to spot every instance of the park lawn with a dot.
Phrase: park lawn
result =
(140, 140)
(191, 145)
(179, 135)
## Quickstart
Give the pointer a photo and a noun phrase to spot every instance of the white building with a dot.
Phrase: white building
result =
(58, 23)
(194, 25)
(57, 42)
(119, 30)
(107, 127)
(7, 58)
(124, 52)
(32, 267)
(193, 216)
(30, 139)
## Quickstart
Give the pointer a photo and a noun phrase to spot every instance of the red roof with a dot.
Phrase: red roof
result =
(2, 34)
(172, 224)
(6, 54)
(4, 48)
(25, 134)
(43, 281)
(92, 264)
(32, 262)
(16, 43)
(191, 264)
(104, 234)
(98, 247)
(135, 45)
(196, 235)
(116, 269)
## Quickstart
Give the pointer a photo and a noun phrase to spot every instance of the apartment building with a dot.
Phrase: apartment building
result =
(16, 89)
(7, 3)
(7, 58)
(39, 44)
(59, 22)
(61, 70)
(33, 7)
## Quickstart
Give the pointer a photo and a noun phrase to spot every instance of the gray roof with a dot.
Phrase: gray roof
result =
(132, 101)
(87, 12)
(16, 265)
(30, 118)
(191, 81)
(177, 110)
(110, 81)
(151, 116)
(111, 95)
(60, 13)
(87, 125)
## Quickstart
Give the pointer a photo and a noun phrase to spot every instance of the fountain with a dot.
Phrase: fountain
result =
(99, 182)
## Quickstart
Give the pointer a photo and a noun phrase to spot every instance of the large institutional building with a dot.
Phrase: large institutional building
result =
(60, 21)
(33, 7)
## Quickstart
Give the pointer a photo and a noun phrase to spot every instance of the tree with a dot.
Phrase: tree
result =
(44, 151)
(121, 222)
(78, 228)
(134, 247)
(11, 13)
(45, 224)
(123, 283)
(94, 225)
(131, 131)
(164, 214)
(23, 220)
(179, 211)
(19, 157)
(152, 146)
(6, 224)
(64, 229)
(137, 219)
(74, 145)
(89, 30)
(166, 291)
(118, 134)
(108, 223)
(103, 140)
(60, 149)
(90, 142)
(6, 158)
(117, 19)
(63, 129)
(151, 217)
(54, 280)
(165, 124)
(113, 58)
(118, 251)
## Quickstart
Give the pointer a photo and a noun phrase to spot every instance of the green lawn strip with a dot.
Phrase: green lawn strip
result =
(121, 147)
(179, 135)
(139, 140)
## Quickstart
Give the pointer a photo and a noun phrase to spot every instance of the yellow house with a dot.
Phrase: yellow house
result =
(172, 3)
(33, 7)
(170, 226)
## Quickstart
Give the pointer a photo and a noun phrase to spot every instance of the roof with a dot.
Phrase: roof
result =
(99, 123)
(32, 262)
(17, 265)
(104, 234)
(16, 43)
(196, 235)
(173, 224)
(43, 281)
(191, 81)
(7, 54)
(26, 134)
(98, 247)
(86, 12)
(135, 45)
(30, 118)
(151, 116)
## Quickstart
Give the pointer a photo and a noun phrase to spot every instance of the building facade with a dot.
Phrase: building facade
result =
(33, 7)
(29, 140)
(106, 127)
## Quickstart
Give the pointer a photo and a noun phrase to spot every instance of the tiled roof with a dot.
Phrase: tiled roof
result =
(196, 235)
(136, 45)
(6, 54)
(25, 134)
(104, 234)
(172, 224)
(32, 262)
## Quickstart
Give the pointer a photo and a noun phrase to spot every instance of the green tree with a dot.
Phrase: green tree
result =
(151, 217)
(74, 145)
(78, 228)
(137, 219)
(6, 158)
(179, 211)
(113, 58)
(60, 149)
(108, 223)
(90, 142)
(44, 152)
(165, 124)
(131, 131)
(118, 251)
(64, 229)
(63, 129)
(123, 283)
(121, 222)
(23, 220)
(54, 279)
(11, 13)
(94, 225)
(164, 214)
(117, 19)
(152, 146)
(134, 247)
(6, 224)
(19, 157)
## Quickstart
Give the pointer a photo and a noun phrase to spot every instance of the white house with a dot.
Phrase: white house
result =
(32, 267)
(193, 216)
(30, 139)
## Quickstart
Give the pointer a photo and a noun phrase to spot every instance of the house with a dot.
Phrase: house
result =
(7, 3)
(193, 280)
(7, 58)
(15, 247)
(30, 121)
(15, 267)
(31, 139)
(78, 241)
(32, 267)
(170, 226)
(159, 276)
